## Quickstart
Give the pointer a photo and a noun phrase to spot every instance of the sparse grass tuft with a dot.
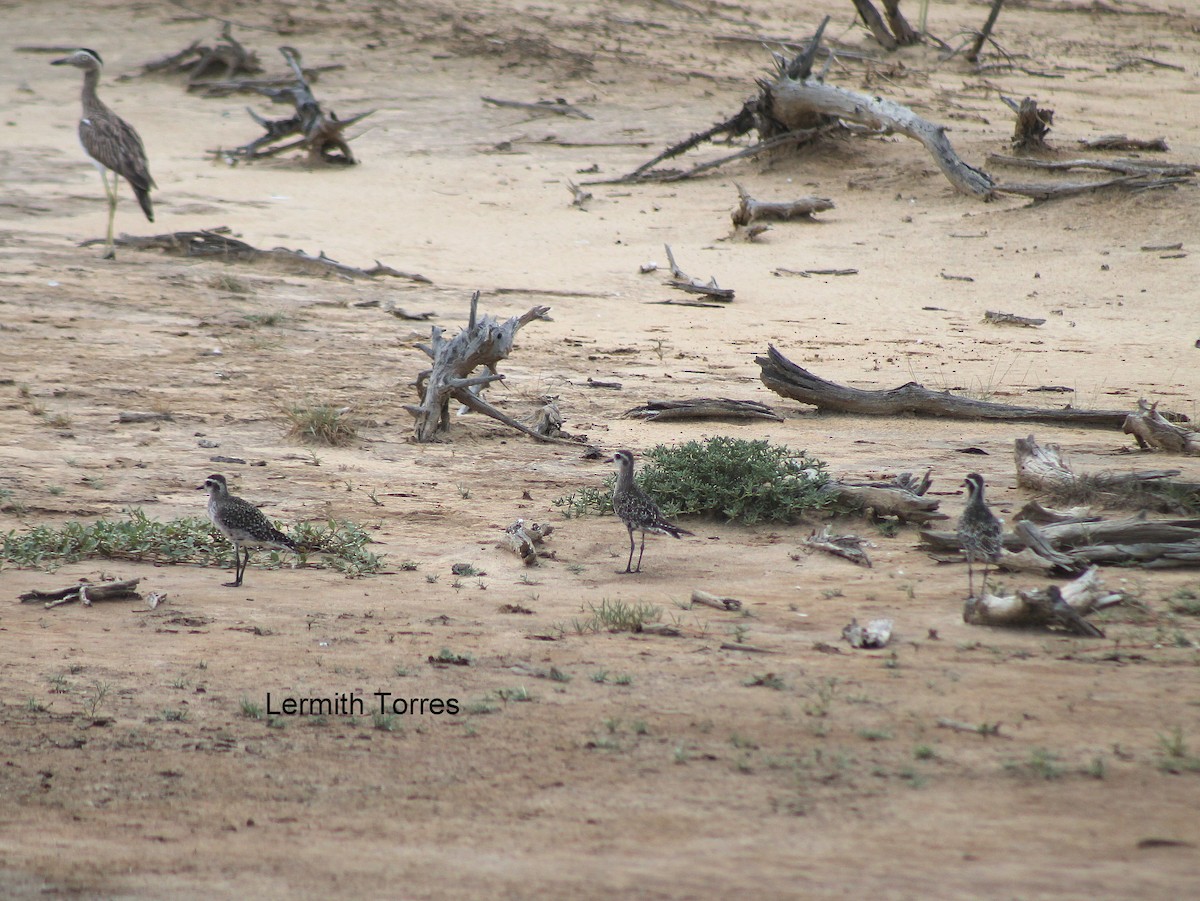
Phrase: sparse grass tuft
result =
(323, 424)
(726, 478)
(230, 283)
(251, 710)
(1177, 756)
(617, 616)
(1185, 601)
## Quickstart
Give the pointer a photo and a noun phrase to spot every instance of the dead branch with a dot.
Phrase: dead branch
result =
(985, 32)
(1043, 467)
(900, 499)
(524, 540)
(218, 244)
(848, 547)
(784, 377)
(904, 33)
(557, 107)
(84, 591)
(1153, 432)
(1123, 166)
(1121, 142)
(714, 601)
(870, 16)
(1043, 191)
(987, 730)
(319, 134)
(481, 345)
(703, 408)
(684, 282)
(751, 210)
(997, 318)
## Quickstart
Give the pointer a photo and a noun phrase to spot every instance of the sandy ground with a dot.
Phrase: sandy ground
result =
(673, 777)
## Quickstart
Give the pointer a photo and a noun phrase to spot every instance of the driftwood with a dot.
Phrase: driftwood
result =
(218, 244)
(684, 282)
(714, 601)
(1033, 124)
(875, 634)
(1121, 165)
(319, 134)
(85, 592)
(997, 318)
(703, 408)
(784, 377)
(1049, 607)
(525, 539)
(481, 345)
(1153, 432)
(549, 421)
(1043, 468)
(1051, 191)
(986, 32)
(896, 32)
(848, 547)
(751, 210)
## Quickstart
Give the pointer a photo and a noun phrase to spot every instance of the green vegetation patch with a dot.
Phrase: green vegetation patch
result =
(724, 478)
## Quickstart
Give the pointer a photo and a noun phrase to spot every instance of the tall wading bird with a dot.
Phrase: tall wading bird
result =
(637, 510)
(111, 143)
(243, 524)
(979, 531)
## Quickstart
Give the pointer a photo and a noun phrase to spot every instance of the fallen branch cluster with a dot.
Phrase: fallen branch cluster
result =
(218, 243)
(751, 210)
(703, 408)
(85, 592)
(1153, 432)
(525, 540)
(1049, 607)
(201, 63)
(904, 498)
(320, 134)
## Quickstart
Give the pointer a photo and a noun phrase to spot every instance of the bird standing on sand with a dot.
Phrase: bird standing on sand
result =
(979, 531)
(110, 141)
(637, 510)
(243, 524)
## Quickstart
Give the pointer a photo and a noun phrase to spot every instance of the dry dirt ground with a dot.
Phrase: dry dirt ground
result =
(673, 776)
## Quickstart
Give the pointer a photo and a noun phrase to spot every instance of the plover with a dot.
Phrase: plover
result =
(110, 141)
(979, 531)
(243, 524)
(636, 509)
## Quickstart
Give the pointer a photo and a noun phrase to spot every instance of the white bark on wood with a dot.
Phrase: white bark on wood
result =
(751, 210)
(1152, 431)
(794, 103)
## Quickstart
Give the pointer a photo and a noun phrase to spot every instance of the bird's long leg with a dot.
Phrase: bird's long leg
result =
(983, 587)
(110, 251)
(237, 566)
(642, 551)
(970, 579)
(629, 562)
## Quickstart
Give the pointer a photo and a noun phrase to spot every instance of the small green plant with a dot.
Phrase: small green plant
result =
(924, 752)
(574, 568)
(600, 676)
(1177, 756)
(1042, 763)
(59, 684)
(265, 320)
(766, 680)
(55, 490)
(725, 478)
(230, 283)
(824, 692)
(557, 675)
(250, 709)
(464, 490)
(447, 657)
(517, 695)
(385, 722)
(875, 734)
(1185, 601)
(623, 679)
(174, 715)
(480, 707)
(33, 705)
(322, 424)
(680, 755)
(180, 682)
(95, 698)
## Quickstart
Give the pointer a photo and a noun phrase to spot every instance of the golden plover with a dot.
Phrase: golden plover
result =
(110, 141)
(979, 531)
(636, 509)
(243, 524)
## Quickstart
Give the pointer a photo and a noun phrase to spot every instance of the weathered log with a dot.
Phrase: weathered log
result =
(225, 59)
(684, 282)
(784, 377)
(1043, 468)
(525, 539)
(848, 547)
(1122, 166)
(703, 408)
(995, 317)
(1063, 608)
(715, 601)
(986, 32)
(870, 16)
(875, 634)
(84, 591)
(1033, 124)
(482, 344)
(751, 210)
(1122, 142)
(793, 102)
(886, 500)
(1154, 432)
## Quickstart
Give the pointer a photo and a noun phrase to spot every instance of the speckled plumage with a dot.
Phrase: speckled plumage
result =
(979, 531)
(110, 141)
(637, 510)
(243, 524)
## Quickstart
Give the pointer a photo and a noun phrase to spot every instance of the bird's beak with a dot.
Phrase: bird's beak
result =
(201, 487)
(60, 62)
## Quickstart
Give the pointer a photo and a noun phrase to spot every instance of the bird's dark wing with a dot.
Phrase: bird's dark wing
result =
(112, 141)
